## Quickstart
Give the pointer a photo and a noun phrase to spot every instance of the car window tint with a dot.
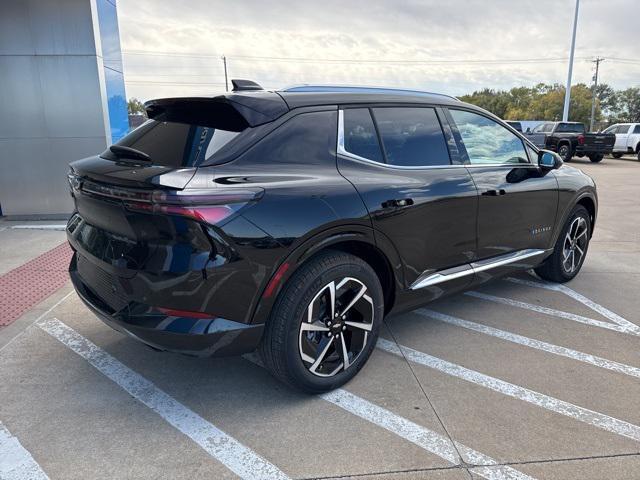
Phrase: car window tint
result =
(611, 129)
(412, 137)
(487, 141)
(637, 129)
(570, 128)
(623, 129)
(360, 137)
(304, 140)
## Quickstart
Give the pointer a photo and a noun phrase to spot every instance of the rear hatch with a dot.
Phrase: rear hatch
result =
(126, 199)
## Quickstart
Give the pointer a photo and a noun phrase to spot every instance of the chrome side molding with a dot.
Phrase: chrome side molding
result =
(474, 267)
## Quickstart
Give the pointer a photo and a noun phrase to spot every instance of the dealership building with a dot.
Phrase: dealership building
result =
(62, 97)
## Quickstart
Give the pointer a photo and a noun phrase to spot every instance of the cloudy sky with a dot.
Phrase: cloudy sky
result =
(451, 46)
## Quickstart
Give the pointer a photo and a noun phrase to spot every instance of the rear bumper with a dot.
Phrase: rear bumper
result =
(597, 149)
(201, 337)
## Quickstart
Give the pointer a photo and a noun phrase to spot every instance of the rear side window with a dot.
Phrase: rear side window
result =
(360, 137)
(623, 129)
(174, 144)
(412, 137)
(637, 129)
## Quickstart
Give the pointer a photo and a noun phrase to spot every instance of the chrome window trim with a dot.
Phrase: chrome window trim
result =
(433, 278)
(344, 153)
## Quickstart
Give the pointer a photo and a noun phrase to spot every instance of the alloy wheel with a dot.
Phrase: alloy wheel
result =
(337, 326)
(575, 245)
(564, 152)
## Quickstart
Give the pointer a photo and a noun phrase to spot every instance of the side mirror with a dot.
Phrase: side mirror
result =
(549, 160)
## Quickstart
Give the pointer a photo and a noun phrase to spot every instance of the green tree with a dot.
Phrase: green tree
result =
(628, 103)
(135, 106)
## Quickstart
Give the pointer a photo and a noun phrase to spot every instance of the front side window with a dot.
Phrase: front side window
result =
(412, 137)
(623, 129)
(360, 137)
(488, 142)
(611, 129)
(543, 128)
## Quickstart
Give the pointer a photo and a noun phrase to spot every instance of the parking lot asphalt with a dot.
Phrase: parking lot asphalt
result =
(519, 379)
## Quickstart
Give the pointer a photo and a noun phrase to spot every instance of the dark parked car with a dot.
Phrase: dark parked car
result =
(293, 221)
(570, 139)
(516, 125)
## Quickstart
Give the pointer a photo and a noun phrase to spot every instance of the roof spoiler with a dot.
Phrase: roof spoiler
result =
(233, 112)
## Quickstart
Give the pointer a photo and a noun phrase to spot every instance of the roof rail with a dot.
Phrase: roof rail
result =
(359, 89)
(244, 85)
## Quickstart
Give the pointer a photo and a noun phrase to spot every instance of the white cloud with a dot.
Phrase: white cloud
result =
(367, 30)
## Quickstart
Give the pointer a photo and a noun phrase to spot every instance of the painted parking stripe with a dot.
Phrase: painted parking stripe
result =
(600, 420)
(16, 463)
(238, 458)
(423, 437)
(551, 311)
(533, 343)
(596, 307)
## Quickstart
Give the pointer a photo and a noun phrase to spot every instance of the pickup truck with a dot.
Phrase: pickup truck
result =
(571, 138)
(627, 139)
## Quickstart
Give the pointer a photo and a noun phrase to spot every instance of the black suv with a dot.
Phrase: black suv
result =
(293, 221)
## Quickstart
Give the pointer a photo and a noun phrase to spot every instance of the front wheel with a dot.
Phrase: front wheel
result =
(570, 249)
(325, 323)
(596, 157)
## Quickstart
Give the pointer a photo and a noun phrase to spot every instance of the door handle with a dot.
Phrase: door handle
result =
(494, 193)
(400, 202)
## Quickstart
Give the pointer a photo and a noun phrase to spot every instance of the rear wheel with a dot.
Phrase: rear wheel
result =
(570, 249)
(595, 158)
(616, 155)
(564, 150)
(325, 323)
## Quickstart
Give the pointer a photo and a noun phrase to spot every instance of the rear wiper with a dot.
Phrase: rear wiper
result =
(128, 152)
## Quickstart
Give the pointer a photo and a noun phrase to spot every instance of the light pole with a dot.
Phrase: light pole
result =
(226, 81)
(595, 88)
(567, 93)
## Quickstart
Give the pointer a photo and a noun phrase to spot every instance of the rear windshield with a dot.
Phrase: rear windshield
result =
(174, 144)
(570, 128)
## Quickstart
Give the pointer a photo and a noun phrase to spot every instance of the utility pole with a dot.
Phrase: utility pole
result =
(226, 81)
(567, 93)
(595, 88)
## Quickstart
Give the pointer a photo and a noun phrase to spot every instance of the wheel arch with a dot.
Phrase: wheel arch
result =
(356, 240)
(589, 203)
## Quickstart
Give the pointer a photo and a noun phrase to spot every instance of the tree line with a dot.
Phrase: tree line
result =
(545, 102)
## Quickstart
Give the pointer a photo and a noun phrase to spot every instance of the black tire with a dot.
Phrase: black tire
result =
(596, 158)
(638, 154)
(565, 151)
(616, 155)
(554, 268)
(282, 343)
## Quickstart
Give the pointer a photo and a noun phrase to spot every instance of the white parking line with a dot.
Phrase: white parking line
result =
(533, 343)
(421, 436)
(241, 460)
(16, 463)
(552, 311)
(600, 420)
(596, 307)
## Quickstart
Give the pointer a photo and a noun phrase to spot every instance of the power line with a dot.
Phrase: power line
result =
(353, 60)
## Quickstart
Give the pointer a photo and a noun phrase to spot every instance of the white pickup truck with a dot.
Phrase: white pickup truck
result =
(627, 139)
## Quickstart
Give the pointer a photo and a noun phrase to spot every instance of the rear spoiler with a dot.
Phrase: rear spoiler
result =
(233, 112)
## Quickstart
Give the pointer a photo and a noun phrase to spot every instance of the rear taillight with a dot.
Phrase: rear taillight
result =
(581, 139)
(209, 206)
